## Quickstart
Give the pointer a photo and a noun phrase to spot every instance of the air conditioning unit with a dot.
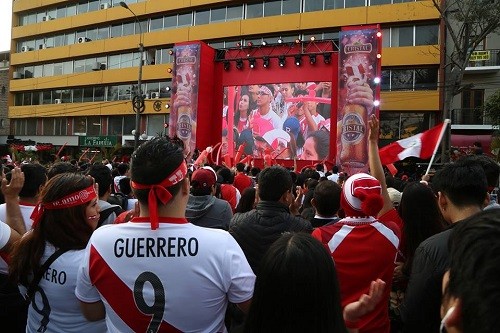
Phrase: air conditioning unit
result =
(46, 18)
(97, 66)
(25, 48)
(105, 5)
(83, 40)
(58, 101)
(146, 96)
(17, 75)
(155, 95)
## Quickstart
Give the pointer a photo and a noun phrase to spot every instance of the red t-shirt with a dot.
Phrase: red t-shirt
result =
(242, 181)
(364, 250)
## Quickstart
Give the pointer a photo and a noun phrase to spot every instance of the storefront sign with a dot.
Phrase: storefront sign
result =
(97, 141)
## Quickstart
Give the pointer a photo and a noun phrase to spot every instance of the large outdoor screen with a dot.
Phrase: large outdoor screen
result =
(284, 120)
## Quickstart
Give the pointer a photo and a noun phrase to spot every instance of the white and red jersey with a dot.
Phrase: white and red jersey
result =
(4, 234)
(177, 278)
(54, 307)
(26, 210)
(364, 250)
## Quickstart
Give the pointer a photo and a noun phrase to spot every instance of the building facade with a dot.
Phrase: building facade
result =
(4, 89)
(74, 64)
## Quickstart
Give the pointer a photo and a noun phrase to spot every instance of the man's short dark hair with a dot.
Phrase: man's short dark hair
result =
(35, 175)
(102, 176)
(490, 167)
(153, 161)
(122, 168)
(61, 167)
(273, 183)
(240, 167)
(327, 198)
(463, 182)
(226, 174)
(124, 185)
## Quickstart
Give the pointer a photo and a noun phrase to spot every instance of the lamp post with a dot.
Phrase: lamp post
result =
(140, 100)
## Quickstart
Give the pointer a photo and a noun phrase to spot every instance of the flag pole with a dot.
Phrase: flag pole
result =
(446, 122)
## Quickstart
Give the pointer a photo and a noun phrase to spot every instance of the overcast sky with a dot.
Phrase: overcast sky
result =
(5, 18)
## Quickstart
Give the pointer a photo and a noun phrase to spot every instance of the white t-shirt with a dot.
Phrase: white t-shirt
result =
(5, 232)
(54, 305)
(116, 183)
(188, 272)
(271, 116)
(26, 211)
(318, 118)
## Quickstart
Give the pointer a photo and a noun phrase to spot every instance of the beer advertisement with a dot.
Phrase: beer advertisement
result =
(287, 120)
(359, 57)
(185, 74)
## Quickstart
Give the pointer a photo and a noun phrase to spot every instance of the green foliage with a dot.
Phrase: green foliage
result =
(492, 108)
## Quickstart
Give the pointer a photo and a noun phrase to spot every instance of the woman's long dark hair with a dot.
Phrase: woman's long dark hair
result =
(247, 200)
(64, 228)
(421, 216)
(296, 289)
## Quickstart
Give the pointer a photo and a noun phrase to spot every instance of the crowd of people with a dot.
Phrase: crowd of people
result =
(159, 245)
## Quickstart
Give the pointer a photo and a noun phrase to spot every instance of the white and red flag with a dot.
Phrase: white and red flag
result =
(422, 145)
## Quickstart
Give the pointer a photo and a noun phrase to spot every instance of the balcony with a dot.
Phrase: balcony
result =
(487, 61)
(470, 119)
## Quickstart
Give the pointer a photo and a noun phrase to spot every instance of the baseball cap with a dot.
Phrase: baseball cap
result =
(292, 126)
(260, 126)
(203, 178)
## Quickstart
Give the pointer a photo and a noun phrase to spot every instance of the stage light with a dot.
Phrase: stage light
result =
(376, 80)
(313, 38)
(264, 43)
(281, 60)
(226, 65)
(376, 103)
(312, 59)
(379, 34)
(298, 59)
(169, 70)
(327, 58)
(280, 40)
(167, 88)
(250, 44)
(379, 56)
(265, 62)
(239, 63)
(251, 61)
(167, 106)
(297, 41)
(170, 52)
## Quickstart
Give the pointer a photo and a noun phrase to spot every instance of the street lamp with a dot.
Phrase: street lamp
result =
(137, 108)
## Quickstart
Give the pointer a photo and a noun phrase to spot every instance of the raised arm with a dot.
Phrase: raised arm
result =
(11, 191)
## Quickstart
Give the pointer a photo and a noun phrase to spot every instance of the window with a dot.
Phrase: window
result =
(94, 125)
(402, 79)
(185, 19)
(255, 10)
(379, 2)
(128, 29)
(272, 8)
(313, 5)
(99, 94)
(46, 97)
(402, 36)
(103, 33)
(77, 95)
(61, 126)
(170, 22)
(128, 124)
(426, 78)
(115, 125)
(426, 34)
(155, 125)
(354, 3)
(80, 126)
(218, 15)
(83, 7)
(88, 94)
(116, 31)
(48, 126)
(291, 6)
(156, 24)
(234, 13)
(31, 126)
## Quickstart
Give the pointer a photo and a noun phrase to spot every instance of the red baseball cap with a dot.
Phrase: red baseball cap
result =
(203, 178)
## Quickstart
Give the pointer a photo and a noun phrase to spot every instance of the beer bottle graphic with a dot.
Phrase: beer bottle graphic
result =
(354, 152)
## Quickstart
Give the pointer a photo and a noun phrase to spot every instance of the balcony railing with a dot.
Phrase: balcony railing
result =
(485, 58)
(469, 117)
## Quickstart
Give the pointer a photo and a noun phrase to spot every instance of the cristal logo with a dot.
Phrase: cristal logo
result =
(353, 128)
(184, 127)
(190, 60)
(355, 48)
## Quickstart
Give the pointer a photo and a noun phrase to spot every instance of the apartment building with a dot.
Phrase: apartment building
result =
(74, 64)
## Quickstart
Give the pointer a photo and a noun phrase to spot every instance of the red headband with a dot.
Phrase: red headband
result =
(159, 191)
(74, 199)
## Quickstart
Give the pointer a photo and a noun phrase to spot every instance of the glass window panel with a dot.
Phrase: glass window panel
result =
(26, 98)
(83, 7)
(291, 6)
(313, 5)
(426, 78)
(31, 126)
(185, 19)
(411, 124)
(93, 5)
(126, 60)
(49, 42)
(99, 93)
(402, 36)
(272, 8)
(48, 126)
(255, 10)
(32, 18)
(71, 10)
(156, 24)
(58, 40)
(18, 99)
(218, 15)
(426, 34)
(94, 125)
(38, 71)
(116, 31)
(234, 13)
(128, 29)
(47, 97)
(70, 38)
(330, 4)
(402, 79)
(141, 27)
(66, 96)
(128, 124)
(77, 95)
(170, 22)
(124, 92)
(112, 93)
(28, 72)
(89, 64)
(379, 2)
(92, 34)
(61, 127)
(114, 61)
(88, 94)
(58, 68)
(40, 16)
(389, 125)
(115, 125)
(386, 37)
(202, 17)
(338, 4)
(354, 3)
(79, 126)
(79, 66)
(155, 125)
(48, 70)
(35, 98)
(68, 67)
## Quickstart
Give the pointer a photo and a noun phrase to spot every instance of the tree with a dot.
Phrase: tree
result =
(492, 107)
(467, 24)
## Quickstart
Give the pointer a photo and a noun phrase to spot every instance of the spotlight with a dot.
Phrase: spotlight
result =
(251, 61)
(226, 65)
(280, 40)
(312, 59)
(379, 34)
(167, 106)
(281, 60)
(297, 41)
(376, 80)
(264, 43)
(170, 52)
(379, 56)
(313, 38)
(327, 58)
(239, 63)
(167, 88)
(298, 59)
(376, 103)
(265, 62)
(250, 44)
(169, 70)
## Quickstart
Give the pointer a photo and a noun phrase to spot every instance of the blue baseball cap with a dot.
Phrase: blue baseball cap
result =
(292, 126)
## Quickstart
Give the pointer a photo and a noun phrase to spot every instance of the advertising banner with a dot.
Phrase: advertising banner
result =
(359, 65)
(185, 84)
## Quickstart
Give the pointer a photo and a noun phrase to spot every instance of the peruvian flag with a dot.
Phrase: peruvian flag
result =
(422, 145)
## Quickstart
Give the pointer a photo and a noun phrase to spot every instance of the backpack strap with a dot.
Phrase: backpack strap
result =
(38, 276)
(104, 214)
